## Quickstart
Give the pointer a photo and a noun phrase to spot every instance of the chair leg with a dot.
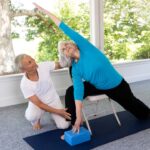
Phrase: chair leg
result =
(96, 108)
(114, 111)
(87, 122)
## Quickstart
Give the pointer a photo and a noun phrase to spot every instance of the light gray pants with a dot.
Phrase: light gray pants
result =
(34, 113)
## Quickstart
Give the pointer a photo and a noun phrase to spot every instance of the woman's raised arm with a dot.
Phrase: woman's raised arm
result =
(53, 17)
(76, 37)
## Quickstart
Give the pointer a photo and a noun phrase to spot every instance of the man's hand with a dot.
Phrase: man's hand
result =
(63, 113)
(57, 66)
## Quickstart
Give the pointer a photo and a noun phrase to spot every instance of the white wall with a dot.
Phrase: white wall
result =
(134, 71)
(10, 93)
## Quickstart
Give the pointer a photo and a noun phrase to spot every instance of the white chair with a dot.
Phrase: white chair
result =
(97, 99)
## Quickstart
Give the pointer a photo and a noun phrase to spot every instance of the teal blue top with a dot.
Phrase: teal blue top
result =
(93, 66)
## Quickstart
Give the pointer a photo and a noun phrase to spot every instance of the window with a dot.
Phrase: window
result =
(72, 12)
(126, 29)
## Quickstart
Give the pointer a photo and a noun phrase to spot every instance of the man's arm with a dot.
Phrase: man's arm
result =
(62, 112)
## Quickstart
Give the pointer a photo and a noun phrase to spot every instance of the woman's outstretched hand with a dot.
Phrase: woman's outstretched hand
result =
(78, 123)
(43, 10)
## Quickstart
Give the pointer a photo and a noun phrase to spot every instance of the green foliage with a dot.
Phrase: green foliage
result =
(125, 22)
(14, 35)
(50, 35)
(144, 50)
(126, 35)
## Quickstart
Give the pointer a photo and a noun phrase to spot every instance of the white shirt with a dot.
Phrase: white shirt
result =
(43, 88)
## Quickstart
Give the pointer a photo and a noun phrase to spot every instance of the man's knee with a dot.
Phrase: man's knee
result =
(63, 125)
(31, 116)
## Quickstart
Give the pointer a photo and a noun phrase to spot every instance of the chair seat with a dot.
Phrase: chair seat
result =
(96, 97)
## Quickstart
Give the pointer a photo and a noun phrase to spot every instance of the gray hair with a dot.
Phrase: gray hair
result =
(18, 62)
(63, 60)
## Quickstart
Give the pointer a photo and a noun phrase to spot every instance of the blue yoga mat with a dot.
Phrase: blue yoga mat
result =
(105, 129)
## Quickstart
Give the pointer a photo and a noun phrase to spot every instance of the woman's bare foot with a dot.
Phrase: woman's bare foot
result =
(62, 137)
(37, 126)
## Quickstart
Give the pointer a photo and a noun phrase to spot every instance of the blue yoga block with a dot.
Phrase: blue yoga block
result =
(77, 138)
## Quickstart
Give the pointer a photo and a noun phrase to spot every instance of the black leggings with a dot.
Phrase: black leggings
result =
(121, 94)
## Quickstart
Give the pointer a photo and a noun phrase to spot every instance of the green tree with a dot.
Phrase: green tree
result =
(8, 13)
(127, 26)
(125, 22)
(49, 34)
(144, 48)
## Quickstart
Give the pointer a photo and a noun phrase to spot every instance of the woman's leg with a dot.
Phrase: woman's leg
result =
(124, 96)
(89, 90)
(70, 104)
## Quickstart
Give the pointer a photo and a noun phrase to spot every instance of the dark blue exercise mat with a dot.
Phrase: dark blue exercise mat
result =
(105, 129)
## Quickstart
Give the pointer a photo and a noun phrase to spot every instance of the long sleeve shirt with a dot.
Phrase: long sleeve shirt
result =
(93, 66)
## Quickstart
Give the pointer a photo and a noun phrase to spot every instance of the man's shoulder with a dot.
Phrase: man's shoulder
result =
(23, 82)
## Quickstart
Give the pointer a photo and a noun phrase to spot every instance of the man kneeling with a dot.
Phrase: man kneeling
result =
(37, 86)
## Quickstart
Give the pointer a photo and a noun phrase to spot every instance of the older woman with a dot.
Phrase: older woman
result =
(37, 87)
(91, 65)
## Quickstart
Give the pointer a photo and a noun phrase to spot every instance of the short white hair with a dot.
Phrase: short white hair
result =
(18, 62)
(63, 60)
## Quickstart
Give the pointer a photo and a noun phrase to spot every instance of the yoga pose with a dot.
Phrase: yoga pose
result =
(37, 87)
(90, 65)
